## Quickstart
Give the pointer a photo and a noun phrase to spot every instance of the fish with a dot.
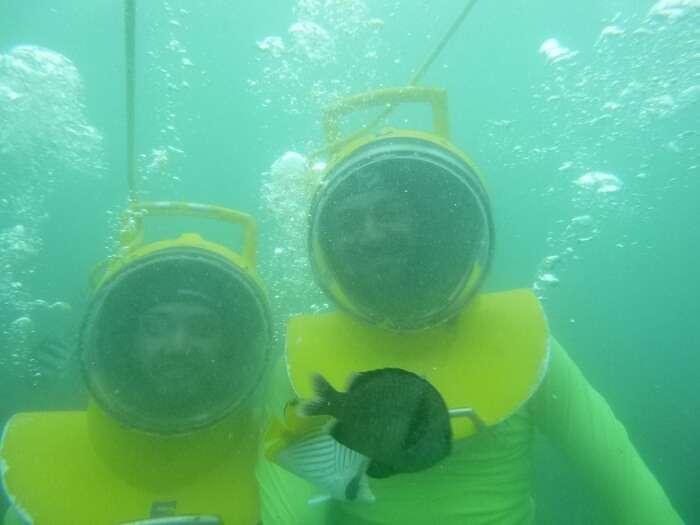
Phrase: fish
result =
(337, 471)
(394, 417)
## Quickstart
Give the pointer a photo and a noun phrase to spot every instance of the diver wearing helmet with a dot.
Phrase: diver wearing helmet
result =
(401, 238)
(173, 346)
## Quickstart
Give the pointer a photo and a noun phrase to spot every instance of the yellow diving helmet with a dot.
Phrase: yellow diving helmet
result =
(401, 233)
(153, 296)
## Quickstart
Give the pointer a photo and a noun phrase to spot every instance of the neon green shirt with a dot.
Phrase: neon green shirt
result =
(488, 479)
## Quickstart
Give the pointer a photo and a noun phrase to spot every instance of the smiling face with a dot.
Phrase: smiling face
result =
(372, 240)
(401, 241)
(179, 349)
(376, 240)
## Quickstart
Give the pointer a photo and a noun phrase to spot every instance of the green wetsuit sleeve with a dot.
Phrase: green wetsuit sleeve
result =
(12, 518)
(578, 420)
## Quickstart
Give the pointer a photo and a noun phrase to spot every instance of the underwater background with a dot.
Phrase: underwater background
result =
(582, 116)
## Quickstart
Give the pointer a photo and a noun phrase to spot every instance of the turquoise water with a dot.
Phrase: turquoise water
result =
(582, 118)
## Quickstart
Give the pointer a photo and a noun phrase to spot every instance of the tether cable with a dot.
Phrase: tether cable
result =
(412, 82)
(130, 56)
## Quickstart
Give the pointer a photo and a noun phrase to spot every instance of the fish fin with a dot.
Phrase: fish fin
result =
(332, 467)
(358, 489)
(321, 404)
(365, 493)
(352, 489)
(359, 378)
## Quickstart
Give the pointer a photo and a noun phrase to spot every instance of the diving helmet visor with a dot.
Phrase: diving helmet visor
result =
(175, 341)
(401, 233)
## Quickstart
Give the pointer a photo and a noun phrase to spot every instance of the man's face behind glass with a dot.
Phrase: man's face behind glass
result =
(179, 349)
(375, 238)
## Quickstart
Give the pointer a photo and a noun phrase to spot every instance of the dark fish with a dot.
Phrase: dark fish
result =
(394, 417)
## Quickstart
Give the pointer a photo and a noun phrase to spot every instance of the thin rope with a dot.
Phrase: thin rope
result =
(412, 82)
(441, 45)
(129, 37)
